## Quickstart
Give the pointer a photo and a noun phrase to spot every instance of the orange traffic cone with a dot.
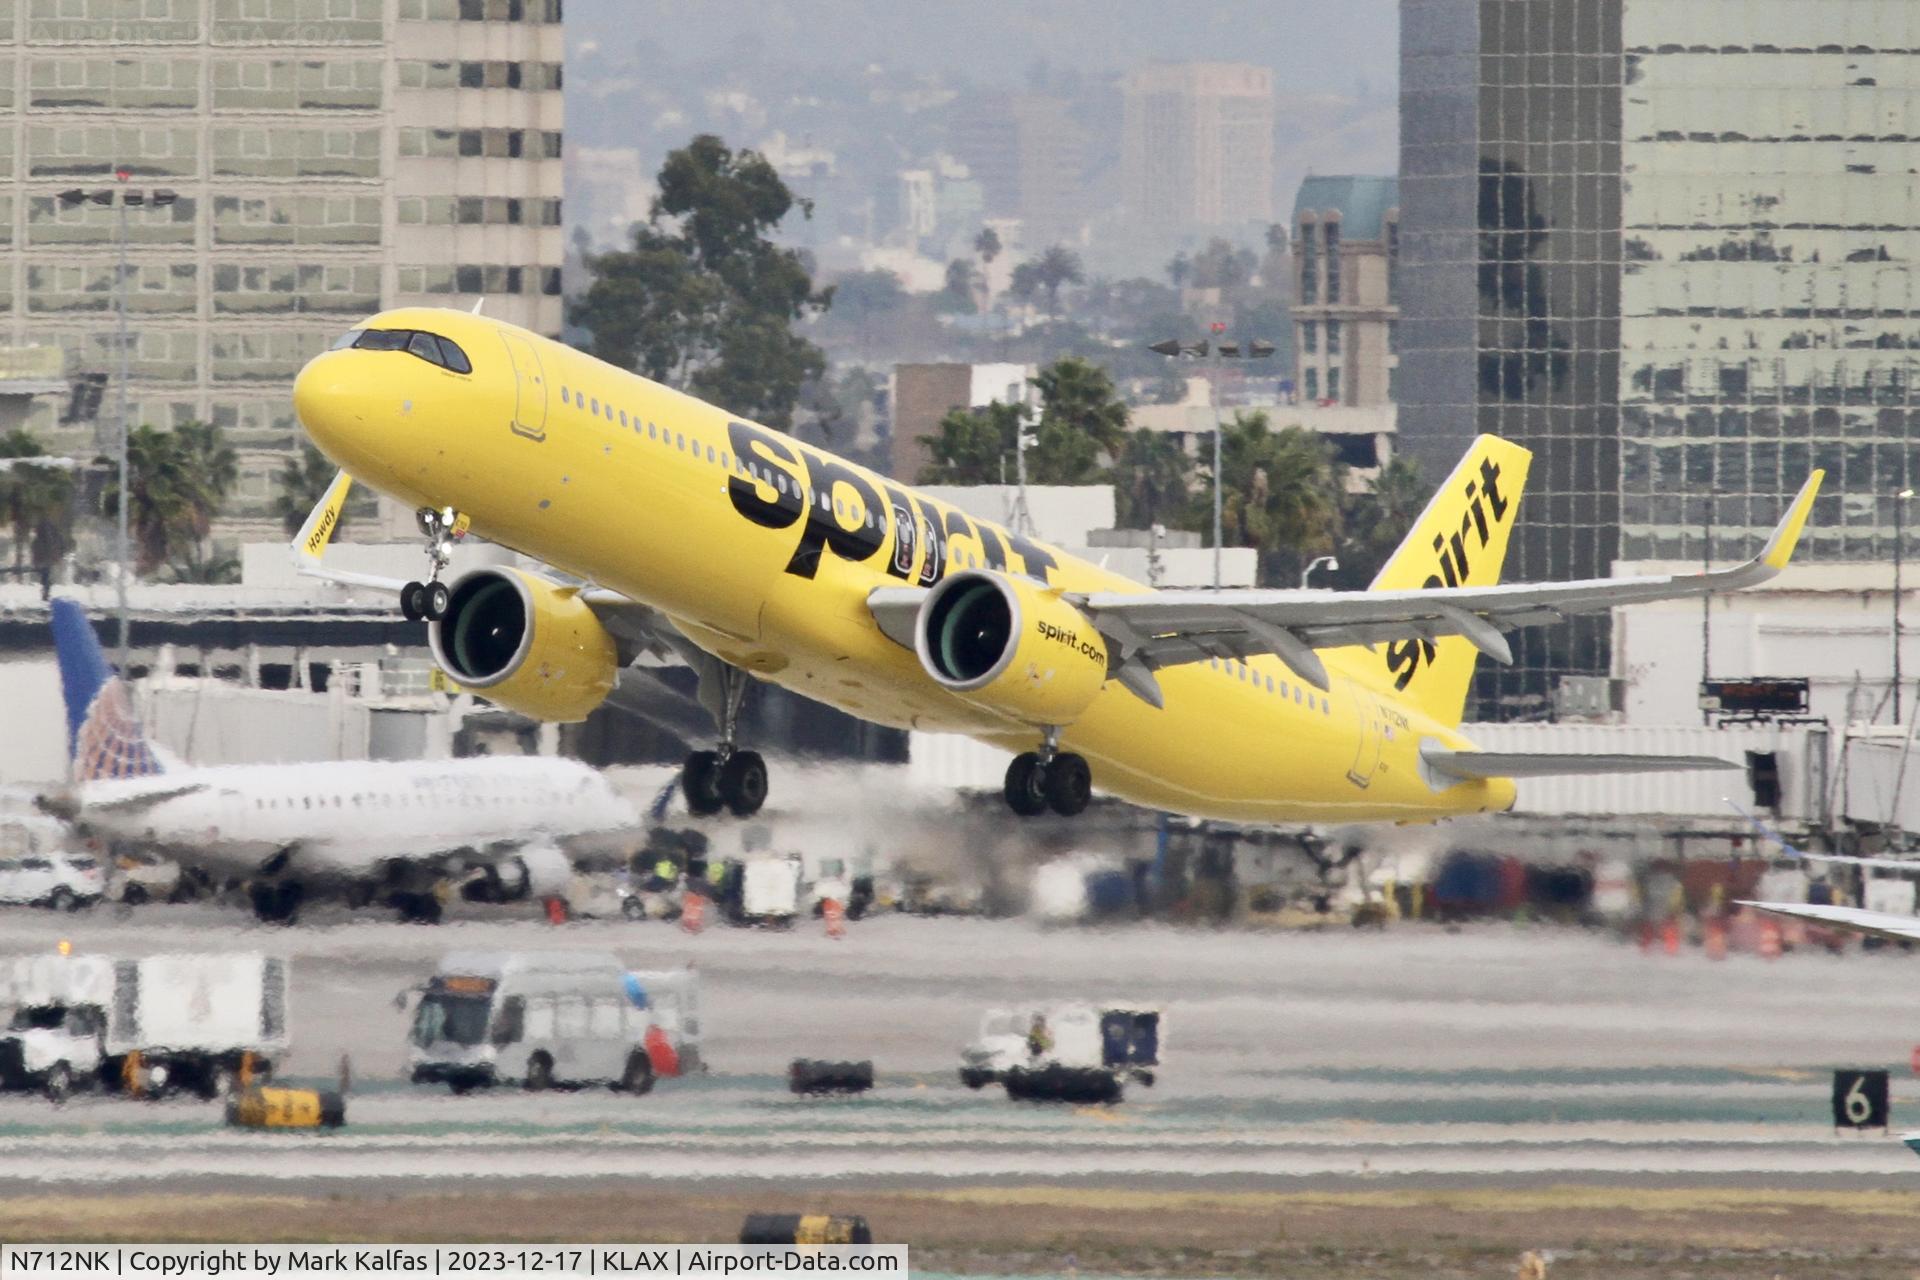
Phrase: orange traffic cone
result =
(693, 913)
(1670, 937)
(1770, 939)
(836, 917)
(556, 910)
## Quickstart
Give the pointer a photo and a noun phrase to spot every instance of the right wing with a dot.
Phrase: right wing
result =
(1876, 924)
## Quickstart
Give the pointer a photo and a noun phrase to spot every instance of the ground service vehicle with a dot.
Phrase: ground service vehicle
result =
(39, 866)
(1076, 1051)
(536, 1018)
(153, 1026)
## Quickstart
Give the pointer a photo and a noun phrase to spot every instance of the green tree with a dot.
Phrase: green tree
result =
(958, 295)
(179, 481)
(1152, 480)
(1377, 521)
(972, 446)
(1282, 494)
(1221, 266)
(987, 245)
(300, 485)
(36, 503)
(704, 298)
(1078, 396)
(1057, 267)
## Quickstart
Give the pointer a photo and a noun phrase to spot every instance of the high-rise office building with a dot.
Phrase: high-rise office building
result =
(1029, 155)
(1197, 146)
(328, 157)
(1346, 243)
(1663, 246)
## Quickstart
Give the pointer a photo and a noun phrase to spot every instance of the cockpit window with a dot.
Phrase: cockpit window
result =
(347, 339)
(456, 358)
(430, 347)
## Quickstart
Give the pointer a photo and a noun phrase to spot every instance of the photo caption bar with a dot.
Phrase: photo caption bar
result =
(444, 1262)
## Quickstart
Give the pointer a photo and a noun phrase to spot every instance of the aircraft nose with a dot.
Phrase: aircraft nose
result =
(329, 405)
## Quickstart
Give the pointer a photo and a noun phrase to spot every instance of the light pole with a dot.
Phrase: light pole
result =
(1899, 536)
(121, 198)
(1332, 562)
(1217, 350)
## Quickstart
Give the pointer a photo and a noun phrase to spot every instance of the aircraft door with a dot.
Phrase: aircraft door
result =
(1366, 756)
(530, 388)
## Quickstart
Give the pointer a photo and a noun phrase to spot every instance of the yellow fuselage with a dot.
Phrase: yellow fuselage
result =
(763, 551)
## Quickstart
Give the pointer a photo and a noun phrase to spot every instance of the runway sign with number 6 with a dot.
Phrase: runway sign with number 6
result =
(1860, 1100)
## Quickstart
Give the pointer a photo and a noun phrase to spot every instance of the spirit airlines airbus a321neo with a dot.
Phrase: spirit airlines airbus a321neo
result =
(673, 524)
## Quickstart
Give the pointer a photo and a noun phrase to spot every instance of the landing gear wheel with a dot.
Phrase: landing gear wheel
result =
(743, 783)
(413, 601)
(1027, 784)
(700, 780)
(1069, 784)
(435, 600)
(539, 1073)
(277, 902)
(59, 1086)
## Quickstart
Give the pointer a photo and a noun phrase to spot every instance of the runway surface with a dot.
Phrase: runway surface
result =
(1415, 1056)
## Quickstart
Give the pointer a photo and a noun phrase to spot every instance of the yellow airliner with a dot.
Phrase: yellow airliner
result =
(675, 525)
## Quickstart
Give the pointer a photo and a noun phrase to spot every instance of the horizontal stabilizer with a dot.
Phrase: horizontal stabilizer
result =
(1877, 924)
(1471, 765)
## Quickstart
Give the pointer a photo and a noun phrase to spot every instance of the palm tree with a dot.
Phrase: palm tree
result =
(36, 503)
(1058, 266)
(1282, 492)
(1152, 479)
(179, 480)
(987, 245)
(1378, 520)
(302, 483)
(1078, 395)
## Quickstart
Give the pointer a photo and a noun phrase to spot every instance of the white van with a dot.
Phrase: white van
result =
(39, 865)
(536, 1018)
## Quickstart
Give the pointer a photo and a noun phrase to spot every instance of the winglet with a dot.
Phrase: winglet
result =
(1786, 535)
(310, 544)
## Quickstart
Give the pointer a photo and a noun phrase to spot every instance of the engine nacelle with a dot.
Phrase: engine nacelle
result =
(1011, 646)
(528, 644)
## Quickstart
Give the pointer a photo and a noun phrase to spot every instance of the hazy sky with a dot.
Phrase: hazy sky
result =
(1326, 45)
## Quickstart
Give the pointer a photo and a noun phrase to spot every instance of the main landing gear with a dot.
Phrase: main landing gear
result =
(727, 778)
(1049, 779)
(428, 600)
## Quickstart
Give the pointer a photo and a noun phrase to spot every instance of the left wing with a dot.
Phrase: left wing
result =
(1166, 628)
(1876, 924)
(310, 544)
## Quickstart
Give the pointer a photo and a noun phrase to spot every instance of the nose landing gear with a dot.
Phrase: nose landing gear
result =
(428, 601)
(1049, 779)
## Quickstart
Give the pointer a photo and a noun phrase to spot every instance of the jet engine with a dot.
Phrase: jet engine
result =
(1011, 646)
(539, 870)
(529, 645)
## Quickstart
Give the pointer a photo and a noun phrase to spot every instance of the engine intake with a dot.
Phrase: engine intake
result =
(1011, 646)
(528, 644)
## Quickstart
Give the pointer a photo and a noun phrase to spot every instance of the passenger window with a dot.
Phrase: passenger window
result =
(455, 358)
(679, 441)
(595, 402)
(623, 417)
(605, 1020)
(564, 397)
(1296, 695)
(539, 1021)
(650, 431)
(510, 1023)
(711, 456)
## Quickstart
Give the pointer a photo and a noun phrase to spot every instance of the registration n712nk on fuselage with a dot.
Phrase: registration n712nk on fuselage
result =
(673, 525)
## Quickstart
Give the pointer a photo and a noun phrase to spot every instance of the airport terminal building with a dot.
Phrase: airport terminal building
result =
(1668, 247)
(325, 158)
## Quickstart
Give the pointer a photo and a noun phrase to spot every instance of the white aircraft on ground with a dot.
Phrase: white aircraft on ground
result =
(377, 830)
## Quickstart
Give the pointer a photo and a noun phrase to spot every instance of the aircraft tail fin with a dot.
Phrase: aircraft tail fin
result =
(1460, 540)
(104, 737)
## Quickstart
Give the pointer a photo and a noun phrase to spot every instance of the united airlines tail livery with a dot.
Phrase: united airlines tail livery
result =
(373, 830)
(673, 523)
